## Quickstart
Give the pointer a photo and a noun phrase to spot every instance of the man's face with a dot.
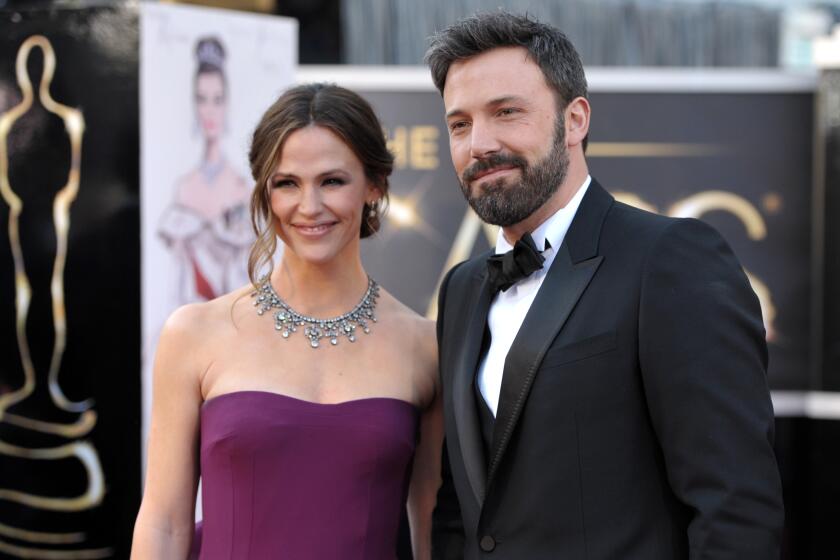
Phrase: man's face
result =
(506, 134)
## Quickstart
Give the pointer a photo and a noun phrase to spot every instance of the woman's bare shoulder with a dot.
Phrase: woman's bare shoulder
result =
(235, 180)
(403, 312)
(203, 321)
(187, 325)
(420, 330)
(195, 335)
(415, 335)
(187, 180)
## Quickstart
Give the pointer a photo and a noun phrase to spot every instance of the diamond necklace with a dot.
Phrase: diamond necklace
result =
(287, 320)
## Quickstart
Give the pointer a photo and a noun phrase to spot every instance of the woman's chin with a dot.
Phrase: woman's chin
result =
(314, 255)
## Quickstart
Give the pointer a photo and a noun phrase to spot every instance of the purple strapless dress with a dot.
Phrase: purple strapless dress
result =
(287, 478)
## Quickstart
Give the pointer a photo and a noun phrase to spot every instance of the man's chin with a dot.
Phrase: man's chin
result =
(493, 215)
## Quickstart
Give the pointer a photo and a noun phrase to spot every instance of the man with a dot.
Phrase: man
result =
(604, 375)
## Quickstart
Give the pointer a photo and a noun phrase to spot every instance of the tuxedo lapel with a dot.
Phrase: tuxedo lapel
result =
(573, 268)
(561, 289)
(466, 415)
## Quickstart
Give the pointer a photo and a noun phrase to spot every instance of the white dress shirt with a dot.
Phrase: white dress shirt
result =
(508, 308)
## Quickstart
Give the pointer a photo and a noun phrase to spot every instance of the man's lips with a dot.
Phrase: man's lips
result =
(492, 171)
(314, 230)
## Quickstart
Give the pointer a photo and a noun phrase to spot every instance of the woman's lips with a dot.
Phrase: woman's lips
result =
(314, 230)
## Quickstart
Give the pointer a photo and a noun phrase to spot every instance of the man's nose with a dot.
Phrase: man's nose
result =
(483, 141)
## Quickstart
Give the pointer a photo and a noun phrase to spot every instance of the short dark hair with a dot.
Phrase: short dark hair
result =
(547, 46)
(338, 109)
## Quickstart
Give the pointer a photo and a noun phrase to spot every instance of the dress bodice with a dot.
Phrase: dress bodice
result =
(288, 478)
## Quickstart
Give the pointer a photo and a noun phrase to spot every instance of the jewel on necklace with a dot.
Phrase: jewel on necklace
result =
(286, 319)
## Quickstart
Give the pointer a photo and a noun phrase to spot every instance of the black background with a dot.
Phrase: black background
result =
(97, 72)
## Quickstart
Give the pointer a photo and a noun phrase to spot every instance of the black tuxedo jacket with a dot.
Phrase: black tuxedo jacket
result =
(634, 420)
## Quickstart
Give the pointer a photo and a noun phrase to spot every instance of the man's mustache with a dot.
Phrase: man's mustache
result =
(491, 162)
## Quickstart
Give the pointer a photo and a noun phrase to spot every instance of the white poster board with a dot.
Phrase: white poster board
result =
(206, 77)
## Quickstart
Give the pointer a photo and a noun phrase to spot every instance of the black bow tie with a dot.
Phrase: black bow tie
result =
(503, 271)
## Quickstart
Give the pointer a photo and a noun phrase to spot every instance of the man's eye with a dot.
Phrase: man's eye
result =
(507, 111)
(458, 125)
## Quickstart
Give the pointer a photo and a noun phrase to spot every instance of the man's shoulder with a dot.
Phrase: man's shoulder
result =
(628, 224)
(630, 214)
(626, 215)
(632, 230)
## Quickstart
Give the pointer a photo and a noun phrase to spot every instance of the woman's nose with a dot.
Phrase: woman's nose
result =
(310, 200)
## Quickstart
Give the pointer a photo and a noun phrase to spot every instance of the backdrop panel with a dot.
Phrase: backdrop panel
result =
(69, 283)
(741, 161)
(206, 78)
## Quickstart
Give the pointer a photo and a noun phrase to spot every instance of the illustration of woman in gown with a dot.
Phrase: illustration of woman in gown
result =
(206, 226)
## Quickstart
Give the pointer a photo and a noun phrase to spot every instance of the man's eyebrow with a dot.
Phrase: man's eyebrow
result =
(492, 103)
(453, 112)
(507, 99)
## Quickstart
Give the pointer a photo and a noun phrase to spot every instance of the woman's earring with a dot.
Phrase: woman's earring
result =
(373, 206)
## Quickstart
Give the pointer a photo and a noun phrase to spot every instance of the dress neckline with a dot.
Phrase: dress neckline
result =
(282, 396)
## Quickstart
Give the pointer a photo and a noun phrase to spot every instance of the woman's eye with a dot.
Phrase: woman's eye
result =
(334, 181)
(279, 183)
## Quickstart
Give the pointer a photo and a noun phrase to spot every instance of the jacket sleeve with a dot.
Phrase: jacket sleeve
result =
(447, 524)
(703, 359)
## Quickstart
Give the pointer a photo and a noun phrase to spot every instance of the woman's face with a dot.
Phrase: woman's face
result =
(210, 103)
(317, 193)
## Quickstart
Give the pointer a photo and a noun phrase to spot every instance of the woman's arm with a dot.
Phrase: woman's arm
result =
(425, 476)
(165, 523)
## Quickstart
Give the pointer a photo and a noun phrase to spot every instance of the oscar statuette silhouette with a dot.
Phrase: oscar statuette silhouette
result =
(32, 542)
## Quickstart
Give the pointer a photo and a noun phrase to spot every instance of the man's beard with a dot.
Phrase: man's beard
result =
(505, 205)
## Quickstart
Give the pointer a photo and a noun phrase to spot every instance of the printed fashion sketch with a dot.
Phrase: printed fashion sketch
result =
(206, 227)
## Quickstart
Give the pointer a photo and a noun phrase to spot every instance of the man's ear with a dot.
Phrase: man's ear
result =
(577, 121)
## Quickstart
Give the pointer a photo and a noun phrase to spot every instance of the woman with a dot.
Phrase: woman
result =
(206, 226)
(298, 401)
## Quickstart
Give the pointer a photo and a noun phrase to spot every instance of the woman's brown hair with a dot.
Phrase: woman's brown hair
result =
(343, 112)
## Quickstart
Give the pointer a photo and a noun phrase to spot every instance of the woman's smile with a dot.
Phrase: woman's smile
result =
(315, 230)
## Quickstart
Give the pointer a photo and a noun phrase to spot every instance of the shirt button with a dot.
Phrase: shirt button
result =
(487, 543)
